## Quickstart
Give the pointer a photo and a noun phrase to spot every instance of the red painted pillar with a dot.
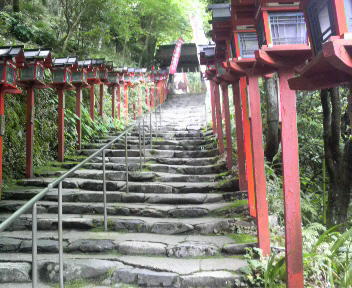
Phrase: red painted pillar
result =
(134, 111)
(248, 147)
(147, 101)
(212, 102)
(241, 157)
(29, 132)
(152, 97)
(101, 102)
(140, 108)
(291, 183)
(92, 102)
(2, 126)
(113, 98)
(119, 102)
(126, 101)
(225, 99)
(258, 161)
(61, 125)
(79, 114)
(218, 118)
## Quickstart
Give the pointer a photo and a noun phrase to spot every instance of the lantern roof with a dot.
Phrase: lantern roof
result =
(85, 63)
(34, 54)
(61, 62)
(11, 51)
(220, 12)
(131, 70)
(98, 62)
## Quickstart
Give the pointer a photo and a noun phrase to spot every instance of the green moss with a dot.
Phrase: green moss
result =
(243, 238)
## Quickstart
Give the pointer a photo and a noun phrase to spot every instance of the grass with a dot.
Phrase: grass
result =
(227, 211)
(243, 238)
(48, 168)
(85, 283)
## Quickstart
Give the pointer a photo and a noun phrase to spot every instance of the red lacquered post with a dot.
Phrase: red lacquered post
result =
(218, 118)
(152, 97)
(226, 106)
(147, 102)
(239, 137)
(258, 161)
(79, 114)
(248, 147)
(61, 125)
(113, 98)
(119, 102)
(126, 101)
(101, 102)
(291, 183)
(92, 102)
(213, 108)
(30, 131)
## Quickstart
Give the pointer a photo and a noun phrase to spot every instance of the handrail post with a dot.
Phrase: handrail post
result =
(61, 253)
(104, 193)
(126, 161)
(34, 247)
(140, 145)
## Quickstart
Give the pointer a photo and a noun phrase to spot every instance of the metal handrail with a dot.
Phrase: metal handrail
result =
(32, 203)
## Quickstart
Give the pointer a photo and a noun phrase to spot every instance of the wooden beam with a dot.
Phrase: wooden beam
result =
(61, 125)
(291, 183)
(218, 119)
(29, 131)
(258, 161)
(79, 115)
(119, 102)
(126, 101)
(226, 106)
(113, 98)
(213, 108)
(2, 126)
(239, 136)
(147, 101)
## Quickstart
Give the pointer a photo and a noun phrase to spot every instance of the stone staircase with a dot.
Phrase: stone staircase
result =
(165, 232)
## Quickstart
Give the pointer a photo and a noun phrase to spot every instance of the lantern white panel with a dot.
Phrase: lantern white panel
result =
(288, 28)
(248, 44)
(348, 10)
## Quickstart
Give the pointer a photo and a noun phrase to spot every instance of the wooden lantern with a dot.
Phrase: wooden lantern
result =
(62, 72)
(329, 25)
(11, 58)
(32, 74)
(79, 73)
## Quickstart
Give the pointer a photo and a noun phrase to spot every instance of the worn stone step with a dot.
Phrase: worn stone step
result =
(143, 176)
(167, 161)
(155, 153)
(203, 226)
(175, 169)
(158, 141)
(120, 209)
(135, 270)
(77, 195)
(144, 187)
(75, 241)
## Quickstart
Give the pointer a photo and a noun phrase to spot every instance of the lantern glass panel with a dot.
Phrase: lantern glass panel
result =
(40, 73)
(112, 78)
(91, 75)
(1, 72)
(248, 44)
(27, 73)
(288, 28)
(58, 76)
(348, 10)
(77, 76)
(68, 77)
(102, 75)
(10, 75)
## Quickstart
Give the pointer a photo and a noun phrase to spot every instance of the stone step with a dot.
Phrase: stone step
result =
(138, 176)
(194, 226)
(154, 153)
(77, 195)
(143, 271)
(120, 209)
(152, 187)
(175, 169)
(75, 241)
(158, 141)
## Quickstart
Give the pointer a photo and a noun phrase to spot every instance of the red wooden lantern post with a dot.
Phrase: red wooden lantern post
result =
(113, 83)
(10, 59)
(31, 76)
(280, 52)
(79, 80)
(62, 79)
(104, 68)
(93, 78)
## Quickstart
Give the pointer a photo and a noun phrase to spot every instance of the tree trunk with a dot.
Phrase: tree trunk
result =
(16, 5)
(272, 139)
(2, 4)
(338, 161)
